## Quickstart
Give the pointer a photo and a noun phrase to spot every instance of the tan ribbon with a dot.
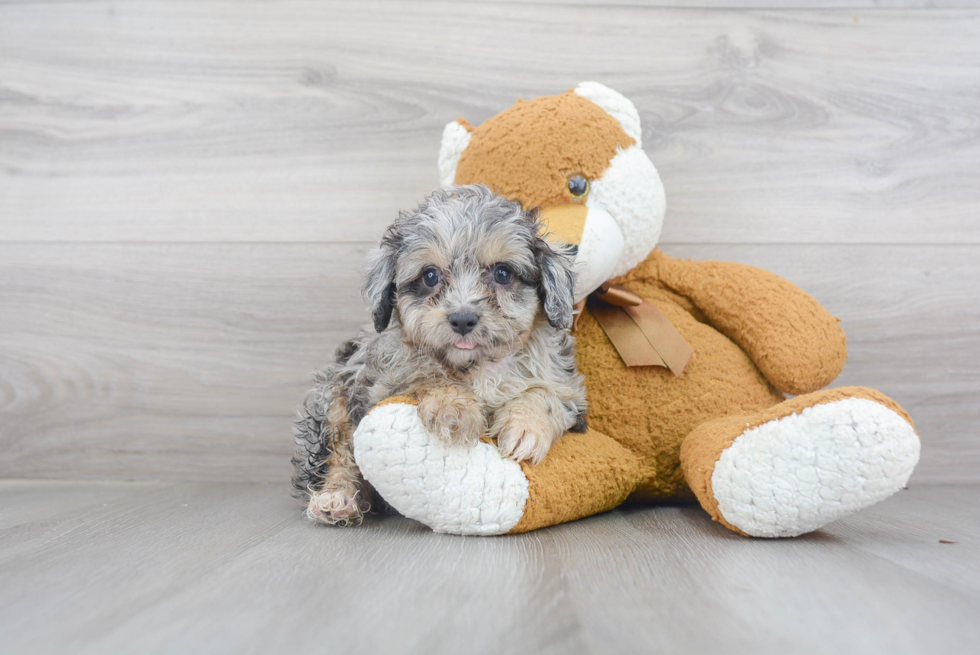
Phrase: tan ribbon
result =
(640, 332)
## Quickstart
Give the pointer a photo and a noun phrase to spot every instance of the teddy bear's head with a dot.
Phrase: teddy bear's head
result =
(578, 157)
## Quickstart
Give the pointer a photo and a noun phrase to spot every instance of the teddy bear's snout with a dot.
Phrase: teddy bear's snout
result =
(597, 236)
(565, 223)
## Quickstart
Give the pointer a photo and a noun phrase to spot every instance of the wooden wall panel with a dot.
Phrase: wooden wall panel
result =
(185, 361)
(762, 4)
(165, 360)
(187, 190)
(310, 120)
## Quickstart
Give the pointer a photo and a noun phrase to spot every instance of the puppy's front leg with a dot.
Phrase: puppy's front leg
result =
(526, 426)
(451, 413)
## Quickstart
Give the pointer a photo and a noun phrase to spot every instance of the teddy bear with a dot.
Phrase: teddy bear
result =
(687, 364)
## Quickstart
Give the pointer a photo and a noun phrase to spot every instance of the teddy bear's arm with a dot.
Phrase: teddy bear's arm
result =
(793, 340)
(474, 489)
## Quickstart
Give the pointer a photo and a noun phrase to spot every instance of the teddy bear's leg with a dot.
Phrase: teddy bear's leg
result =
(465, 489)
(802, 463)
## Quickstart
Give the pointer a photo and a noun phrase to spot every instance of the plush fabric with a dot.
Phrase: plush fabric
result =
(451, 488)
(583, 475)
(526, 154)
(721, 432)
(828, 453)
(796, 344)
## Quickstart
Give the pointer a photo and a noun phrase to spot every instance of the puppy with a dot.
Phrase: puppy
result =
(472, 310)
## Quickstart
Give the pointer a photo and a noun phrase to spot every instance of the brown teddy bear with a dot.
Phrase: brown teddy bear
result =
(686, 363)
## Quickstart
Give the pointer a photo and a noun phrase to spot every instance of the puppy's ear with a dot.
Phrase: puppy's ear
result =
(379, 283)
(557, 286)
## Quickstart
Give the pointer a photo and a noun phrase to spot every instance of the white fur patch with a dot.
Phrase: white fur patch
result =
(454, 489)
(616, 104)
(455, 139)
(631, 192)
(796, 474)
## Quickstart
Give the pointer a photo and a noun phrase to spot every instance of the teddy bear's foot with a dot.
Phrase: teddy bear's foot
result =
(450, 487)
(802, 464)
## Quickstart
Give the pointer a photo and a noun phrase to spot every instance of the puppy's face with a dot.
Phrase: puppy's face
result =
(469, 277)
(466, 298)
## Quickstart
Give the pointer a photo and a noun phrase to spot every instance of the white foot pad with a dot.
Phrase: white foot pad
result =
(796, 474)
(455, 489)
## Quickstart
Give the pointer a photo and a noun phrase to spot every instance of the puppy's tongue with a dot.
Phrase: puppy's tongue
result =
(465, 345)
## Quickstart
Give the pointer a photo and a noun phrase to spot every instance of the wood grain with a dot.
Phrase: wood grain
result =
(763, 4)
(141, 360)
(310, 120)
(191, 567)
(187, 191)
(186, 361)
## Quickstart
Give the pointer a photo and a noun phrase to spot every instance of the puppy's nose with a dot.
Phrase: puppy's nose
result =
(463, 323)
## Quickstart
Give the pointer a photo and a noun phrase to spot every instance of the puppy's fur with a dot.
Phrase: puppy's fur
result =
(472, 310)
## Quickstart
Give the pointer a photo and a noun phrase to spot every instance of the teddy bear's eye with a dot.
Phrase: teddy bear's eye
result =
(578, 186)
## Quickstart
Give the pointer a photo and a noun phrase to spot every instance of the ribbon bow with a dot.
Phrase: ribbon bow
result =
(638, 330)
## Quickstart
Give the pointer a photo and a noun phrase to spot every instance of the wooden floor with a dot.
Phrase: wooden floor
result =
(139, 567)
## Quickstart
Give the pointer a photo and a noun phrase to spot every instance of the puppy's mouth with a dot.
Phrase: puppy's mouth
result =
(463, 344)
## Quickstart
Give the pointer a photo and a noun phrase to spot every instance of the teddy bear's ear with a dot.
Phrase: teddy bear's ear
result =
(455, 138)
(616, 104)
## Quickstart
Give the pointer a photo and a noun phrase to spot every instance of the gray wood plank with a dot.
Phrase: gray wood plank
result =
(186, 361)
(188, 567)
(675, 582)
(310, 120)
(693, 4)
(25, 500)
(761, 4)
(143, 360)
(929, 531)
(121, 557)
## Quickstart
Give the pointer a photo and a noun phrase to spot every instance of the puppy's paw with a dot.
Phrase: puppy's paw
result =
(522, 437)
(337, 506)
(452, 416)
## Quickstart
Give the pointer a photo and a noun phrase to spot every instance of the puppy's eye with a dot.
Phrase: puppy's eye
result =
(578, 186)
(430, 276)
(502, 274)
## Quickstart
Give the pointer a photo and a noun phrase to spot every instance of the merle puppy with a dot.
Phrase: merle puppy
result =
(472, 309)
